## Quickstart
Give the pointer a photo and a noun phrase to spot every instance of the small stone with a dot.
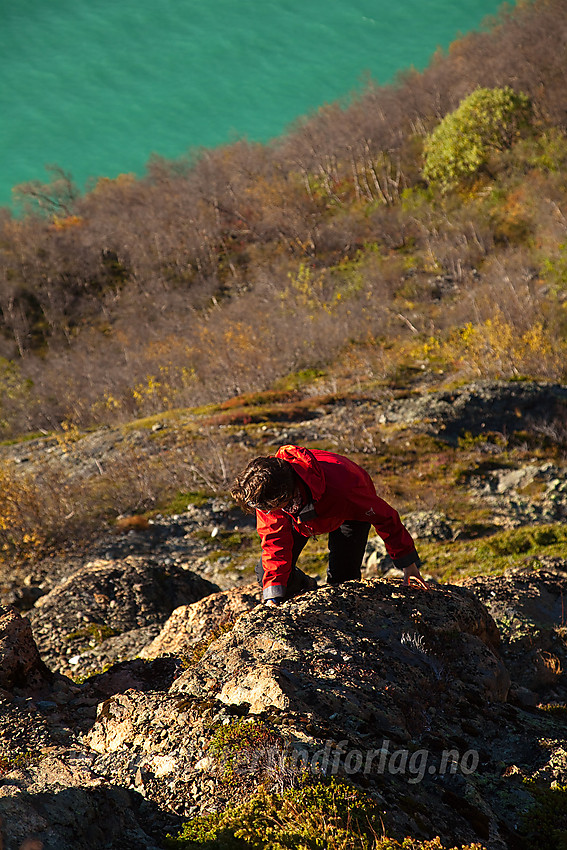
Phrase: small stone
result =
(46, 705)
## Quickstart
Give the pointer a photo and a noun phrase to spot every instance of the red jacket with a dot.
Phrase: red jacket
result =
(341, 490)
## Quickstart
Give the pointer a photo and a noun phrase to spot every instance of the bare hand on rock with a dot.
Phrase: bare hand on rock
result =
(412, 572)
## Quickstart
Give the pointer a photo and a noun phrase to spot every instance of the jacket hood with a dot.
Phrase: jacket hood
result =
(307, 467)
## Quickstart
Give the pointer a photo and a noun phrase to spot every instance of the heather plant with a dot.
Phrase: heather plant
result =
(198, 649)
(19, 761)
(318, 816)
(545, 823)
(249, 753)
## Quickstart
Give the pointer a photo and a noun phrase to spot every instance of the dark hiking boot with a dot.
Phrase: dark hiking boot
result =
(298, 583)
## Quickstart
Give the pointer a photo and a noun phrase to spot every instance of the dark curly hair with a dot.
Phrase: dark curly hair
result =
(266, 483)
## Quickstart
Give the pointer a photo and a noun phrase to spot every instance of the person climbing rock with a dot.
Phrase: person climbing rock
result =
(298, 493)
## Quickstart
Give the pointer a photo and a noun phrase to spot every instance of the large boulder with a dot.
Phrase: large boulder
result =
(378, 682)
(108, 598)
(48, 801)
(374, 650)
(363, 662)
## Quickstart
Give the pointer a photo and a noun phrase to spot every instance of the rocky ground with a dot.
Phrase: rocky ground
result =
(120, 664)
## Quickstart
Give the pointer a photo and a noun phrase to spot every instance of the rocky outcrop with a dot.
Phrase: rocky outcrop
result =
(530, 609)
(51, 798)
(190, 624)
(360, 678)
(532, 494)
(362, 663)
(154, 742)
(320, 651)
(61, 804)
(477, 408)
(339, 674)
(428, 525)
(108, 598)
(21, 666)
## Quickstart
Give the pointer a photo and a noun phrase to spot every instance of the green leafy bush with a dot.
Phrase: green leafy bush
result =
(487, 120)
(316, 816)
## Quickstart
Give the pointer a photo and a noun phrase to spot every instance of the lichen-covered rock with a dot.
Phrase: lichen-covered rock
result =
(60, 804)
(20, 664)
(530, 609)
(113, 650)
(190, 624)
(527, 495)
(339, 674)
(376, 561)
(428, 525)
(375, 650)
(106, 598)
(154, 742)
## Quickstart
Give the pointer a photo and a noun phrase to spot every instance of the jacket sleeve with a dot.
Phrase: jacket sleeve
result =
(386, 520)
(275, 530)
(397, 539)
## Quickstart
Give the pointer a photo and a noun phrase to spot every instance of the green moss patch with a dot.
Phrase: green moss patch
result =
(183, 500)
(494, 554)
(93, 633)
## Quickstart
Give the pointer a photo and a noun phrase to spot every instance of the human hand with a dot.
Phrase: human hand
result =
(412, 572)
(271, 602)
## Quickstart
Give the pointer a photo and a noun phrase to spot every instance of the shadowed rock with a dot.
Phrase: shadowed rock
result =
(60, 804)
(479, 407)
(530, 609)
(106, 598)
(20, 664)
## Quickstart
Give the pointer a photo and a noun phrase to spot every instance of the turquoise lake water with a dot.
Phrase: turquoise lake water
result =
(96, 86)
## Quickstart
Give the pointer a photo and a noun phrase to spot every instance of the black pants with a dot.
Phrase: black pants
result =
(346, 551)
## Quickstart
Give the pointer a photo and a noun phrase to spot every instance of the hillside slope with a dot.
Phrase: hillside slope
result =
(443, 711)
(390, 234)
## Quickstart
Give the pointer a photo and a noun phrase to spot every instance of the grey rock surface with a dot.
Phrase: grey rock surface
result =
(107, 598)
(479, 407)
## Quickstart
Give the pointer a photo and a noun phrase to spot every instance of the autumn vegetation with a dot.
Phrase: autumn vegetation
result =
(413, 235)
(422, 222)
